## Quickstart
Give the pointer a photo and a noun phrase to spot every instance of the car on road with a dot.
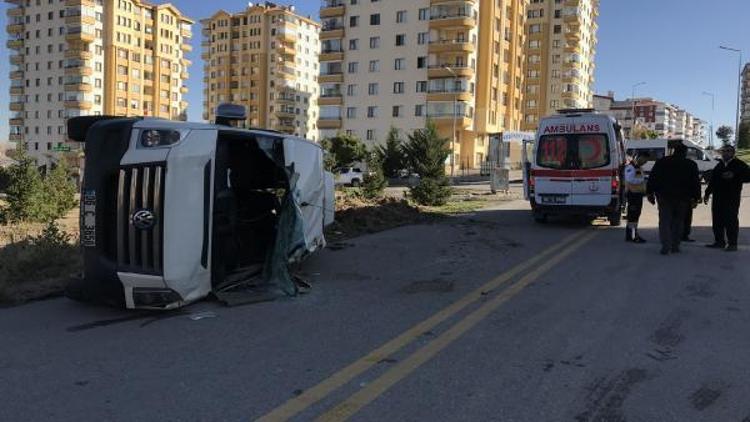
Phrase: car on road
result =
(576, 167)
(349, 176)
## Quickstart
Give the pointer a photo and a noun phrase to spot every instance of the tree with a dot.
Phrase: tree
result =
(391, 155)
(60, 190)
(743, 140)
(374, 182)
(26, 193)
(426, 153)
(725, 134)
(344, 150)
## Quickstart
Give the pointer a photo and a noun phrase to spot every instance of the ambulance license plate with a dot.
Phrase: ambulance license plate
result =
(554, 199)
(88, 219)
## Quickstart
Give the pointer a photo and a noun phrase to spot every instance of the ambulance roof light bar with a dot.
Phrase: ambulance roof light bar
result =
(576, 110)
(227, 113)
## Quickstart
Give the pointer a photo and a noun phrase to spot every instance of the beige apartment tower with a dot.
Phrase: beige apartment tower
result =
(458, 63)
(92, 57)
(265, 58)
(560, 49)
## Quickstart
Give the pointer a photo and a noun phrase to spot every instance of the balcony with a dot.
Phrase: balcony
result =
(78, 104)
(440, 71)
(573, 35)
(16, 106)
(76, 34)
(78, 87)
(185, 62)
(14, 28)
(14, 44)
(447, 95)
(453, 20)
(15, 137)
(15, 11)
(332, 55)
(186, 47)
(287, 35)
(15, 121)
(80, 19)
(332, 31)
(285, 113)
(184, 76)
(16, 59)
(329, 123)
(79, 70)
(87, 3)
(285, 99)
(184, 89)
(16, 90)
(15, 75)
(451, 46)
(186, 33)
(286, 49)
(332, 8)
(76, 53)
(331, 77)
(286, 126)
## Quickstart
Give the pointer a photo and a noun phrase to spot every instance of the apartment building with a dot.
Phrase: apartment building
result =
(90, 57)
(560, 50)
(745, 94)
(397, 64)
(265, 58)
(664, 119)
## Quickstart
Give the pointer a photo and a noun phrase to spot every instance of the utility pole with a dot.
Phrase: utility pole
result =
(739, 88)
(455, 113)
(632, 98)
(713, 113)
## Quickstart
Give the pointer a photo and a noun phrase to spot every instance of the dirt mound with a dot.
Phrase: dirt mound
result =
(356, 216)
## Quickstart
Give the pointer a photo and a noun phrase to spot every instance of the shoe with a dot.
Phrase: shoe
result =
(731, 248)
(664, 251)
(639, 240)
(716, 246)
(688, 240)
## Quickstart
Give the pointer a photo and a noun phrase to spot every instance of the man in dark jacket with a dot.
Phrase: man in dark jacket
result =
(675, 183)
(726, 188)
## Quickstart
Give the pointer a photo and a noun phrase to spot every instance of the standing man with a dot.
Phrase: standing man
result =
(726, 188)
(635, 183)
(675, 183)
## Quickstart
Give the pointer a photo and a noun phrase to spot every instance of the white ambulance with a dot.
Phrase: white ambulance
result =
(576, 167)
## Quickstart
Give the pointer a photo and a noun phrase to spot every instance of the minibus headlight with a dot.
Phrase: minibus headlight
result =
(152, 138)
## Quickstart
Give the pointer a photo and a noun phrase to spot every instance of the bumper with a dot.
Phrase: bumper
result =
(577, 210)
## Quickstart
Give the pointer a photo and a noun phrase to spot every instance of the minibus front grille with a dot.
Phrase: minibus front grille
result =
(140, 211)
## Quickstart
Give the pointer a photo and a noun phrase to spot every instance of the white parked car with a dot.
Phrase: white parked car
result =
(349, 176)
(659, 148)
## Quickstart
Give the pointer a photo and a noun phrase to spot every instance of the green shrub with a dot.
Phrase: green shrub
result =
(374, 182)
(432, 191)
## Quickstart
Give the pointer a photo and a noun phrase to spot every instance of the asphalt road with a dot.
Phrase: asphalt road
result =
(485, 317)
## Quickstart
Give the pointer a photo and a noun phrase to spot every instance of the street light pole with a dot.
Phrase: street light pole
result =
(739, 88)
(713, 113)
(632, 98)
(455, 113)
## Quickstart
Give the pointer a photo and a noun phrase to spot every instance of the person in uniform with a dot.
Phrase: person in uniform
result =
(726, 188)
(635, 184)
(675, 183)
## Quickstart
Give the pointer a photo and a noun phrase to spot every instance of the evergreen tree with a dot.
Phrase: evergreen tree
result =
(391, 155)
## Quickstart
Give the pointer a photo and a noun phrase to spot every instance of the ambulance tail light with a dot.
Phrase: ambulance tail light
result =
(615, 185)
(532, 185)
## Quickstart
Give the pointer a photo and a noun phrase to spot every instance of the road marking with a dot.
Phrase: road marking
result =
(318, 392)
(373, 390)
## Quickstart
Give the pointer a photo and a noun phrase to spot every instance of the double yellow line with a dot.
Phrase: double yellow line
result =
(540, 264)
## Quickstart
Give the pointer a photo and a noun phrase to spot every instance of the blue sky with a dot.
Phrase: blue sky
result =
(672, 45)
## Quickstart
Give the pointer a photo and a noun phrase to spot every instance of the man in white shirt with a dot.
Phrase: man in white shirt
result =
(635, 183)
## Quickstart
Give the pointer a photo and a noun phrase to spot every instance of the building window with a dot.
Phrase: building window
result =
(401, 16)
(398, 87)
(370, 134)
(421, 62)
(353, 21)
(354, 44)
(372, 89)
(421, 86)
(374, 42)
(400, 40)
(374, 66)
(351, 113)
(423, 38)
(399, 64)
(372, 112)
(353, 67)
(397, 111)
(375, 19)
(419, 110)
(424, 14)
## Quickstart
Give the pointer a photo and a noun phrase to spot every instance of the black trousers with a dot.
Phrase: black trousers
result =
(726, 220)
(688, 229)
(635, 207)
(672, 212)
